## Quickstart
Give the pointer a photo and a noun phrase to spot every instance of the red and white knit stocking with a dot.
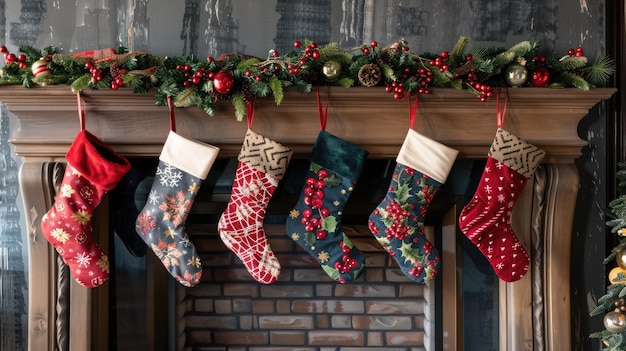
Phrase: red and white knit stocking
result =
(486, 219)
(262, 164)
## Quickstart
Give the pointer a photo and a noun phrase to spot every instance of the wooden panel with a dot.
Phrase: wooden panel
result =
(452, 270)
(562, 188)
(34, 176)
(134, 125)
(516, 298)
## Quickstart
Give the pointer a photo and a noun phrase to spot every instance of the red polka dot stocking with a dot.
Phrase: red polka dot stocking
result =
(486, 219)
(262, 164)
(92, 170)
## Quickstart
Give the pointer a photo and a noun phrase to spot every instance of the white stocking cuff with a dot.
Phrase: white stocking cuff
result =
(191, 156)
(427, 156)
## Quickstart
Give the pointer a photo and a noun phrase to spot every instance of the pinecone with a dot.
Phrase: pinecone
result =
(369, 75)
(310, 76)
(386, 57)
(221, 97)
(246, 92)
(114, 69)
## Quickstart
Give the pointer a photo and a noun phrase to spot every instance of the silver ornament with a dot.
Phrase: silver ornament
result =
(615, 322)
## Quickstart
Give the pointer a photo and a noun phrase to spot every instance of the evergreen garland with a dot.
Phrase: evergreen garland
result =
(190, 80)
(616, 291)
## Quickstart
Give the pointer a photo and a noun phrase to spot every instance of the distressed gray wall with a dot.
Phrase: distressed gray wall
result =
(212, 27)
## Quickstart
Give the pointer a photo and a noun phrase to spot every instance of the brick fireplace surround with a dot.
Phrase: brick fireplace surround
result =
(305, 310)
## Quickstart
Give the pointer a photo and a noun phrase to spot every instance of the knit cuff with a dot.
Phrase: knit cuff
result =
(517, 154)
(265, 155)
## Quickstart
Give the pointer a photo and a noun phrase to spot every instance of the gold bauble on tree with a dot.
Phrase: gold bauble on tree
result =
(615, 322)
(620, 258)
(331, 69)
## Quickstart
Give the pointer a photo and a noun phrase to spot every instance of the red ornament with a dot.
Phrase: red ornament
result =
(223, 82)
(540, 77)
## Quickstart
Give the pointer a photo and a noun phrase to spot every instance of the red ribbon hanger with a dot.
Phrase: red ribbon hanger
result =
(81, 110)
(323, 112)
(501, 113)
(412, 110)
(170, 105)
(250, 114)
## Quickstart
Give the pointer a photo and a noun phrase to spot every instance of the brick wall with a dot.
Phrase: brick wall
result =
(304, 310)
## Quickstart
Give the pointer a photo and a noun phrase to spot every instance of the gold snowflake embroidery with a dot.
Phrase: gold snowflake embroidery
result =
(194, 261)
(323, 256)
(295, 236)
(67, 190)
(336, 203)
(194, 188)
(81, 216)
(170, 233)
(103, 263)
(60, 235)
(293, 214)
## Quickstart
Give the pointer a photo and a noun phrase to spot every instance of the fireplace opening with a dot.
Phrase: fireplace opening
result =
(304, 309)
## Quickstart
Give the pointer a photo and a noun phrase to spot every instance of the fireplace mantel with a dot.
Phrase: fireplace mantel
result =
(134, 126)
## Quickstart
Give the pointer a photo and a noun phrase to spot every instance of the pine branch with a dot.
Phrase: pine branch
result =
(600, 70)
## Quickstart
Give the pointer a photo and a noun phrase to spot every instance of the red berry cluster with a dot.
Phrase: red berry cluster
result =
(424, 76)
(311, 52)
(366, 50)
(578, 52)
(417, 270)
(441, 61)
(539, 59)
(313, 197)
(399, 45)
(347, 263)
(399, 229)
(12, 58)
(274, 66)
(485, 91)
(96, 73)
(194, 77)
(397, 88)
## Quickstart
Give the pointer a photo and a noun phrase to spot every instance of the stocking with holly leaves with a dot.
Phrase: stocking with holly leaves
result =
(315, 223)
(397, 222)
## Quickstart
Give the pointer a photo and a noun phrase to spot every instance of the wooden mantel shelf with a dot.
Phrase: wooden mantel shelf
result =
(135, 126)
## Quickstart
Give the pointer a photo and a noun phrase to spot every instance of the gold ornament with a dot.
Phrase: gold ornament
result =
(515, 75)
(620, 258)
(615, 322)
(617, 275)
(331, 69)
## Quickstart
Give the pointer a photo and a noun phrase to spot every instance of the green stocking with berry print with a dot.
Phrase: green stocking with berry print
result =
(398, 221)
(315, 221)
